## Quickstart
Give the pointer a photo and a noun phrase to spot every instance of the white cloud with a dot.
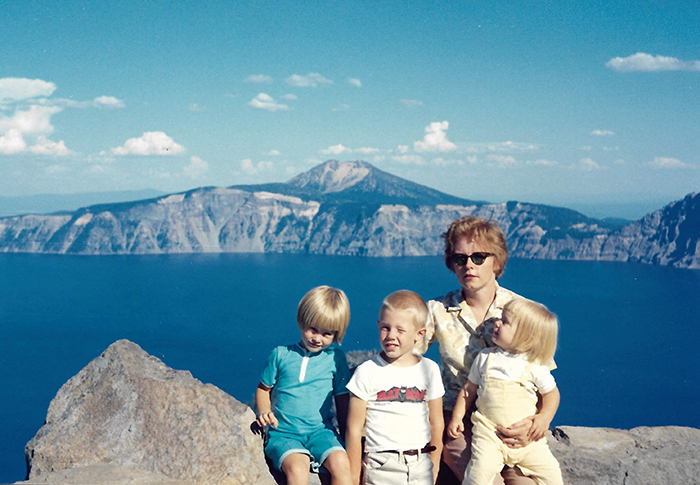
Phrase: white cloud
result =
(409, 159)
(342, 107)
(196, 168)
(44, 146)
(502, 160)
(12, 142)
(507, 146)
(402, 148)
(588, 164)
(445, 163)
(668, 163)
(354, 82)
(586, 148)
(312, 79)
(273, 153)
(250, 168)
(258, 79)
(435, 139)
(543, 162)
(610, 149)
(37, 119)
(107, 102)
(290, 96)
(642, 62)
(601, 133)
(366, 150)
(196, 107)
(150, 143)
(411, 103)
(335, 150)
(266, 102)
(18, 89)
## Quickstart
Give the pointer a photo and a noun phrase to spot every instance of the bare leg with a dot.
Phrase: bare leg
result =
(338, 465)
(296, 468)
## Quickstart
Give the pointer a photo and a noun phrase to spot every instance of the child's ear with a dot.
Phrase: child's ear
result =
(420, 334)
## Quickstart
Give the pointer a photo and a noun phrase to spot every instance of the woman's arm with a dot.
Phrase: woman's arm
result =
(437, 426)
(263, 403)
(542, 420)
(357, 413)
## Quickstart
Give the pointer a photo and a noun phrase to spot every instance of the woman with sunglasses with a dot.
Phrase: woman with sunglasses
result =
(461, 322)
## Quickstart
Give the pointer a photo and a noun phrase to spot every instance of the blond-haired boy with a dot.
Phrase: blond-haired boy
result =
(300, 379)
(396, 402)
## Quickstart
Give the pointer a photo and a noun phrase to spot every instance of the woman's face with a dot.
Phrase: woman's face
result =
(472, 277)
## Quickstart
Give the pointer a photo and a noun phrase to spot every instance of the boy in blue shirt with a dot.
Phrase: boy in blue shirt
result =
(295, 390)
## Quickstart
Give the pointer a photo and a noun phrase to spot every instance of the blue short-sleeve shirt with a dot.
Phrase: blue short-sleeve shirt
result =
(304, 384)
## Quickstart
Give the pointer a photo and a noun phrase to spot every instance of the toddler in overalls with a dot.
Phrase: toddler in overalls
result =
(504, 381)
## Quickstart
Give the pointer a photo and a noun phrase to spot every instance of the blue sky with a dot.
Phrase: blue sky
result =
(566, 103)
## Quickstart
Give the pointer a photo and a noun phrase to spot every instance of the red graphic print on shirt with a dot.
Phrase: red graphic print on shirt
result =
(402, 394)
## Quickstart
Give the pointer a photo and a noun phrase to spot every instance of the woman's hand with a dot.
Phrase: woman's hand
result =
(539, 428)
(516, 435)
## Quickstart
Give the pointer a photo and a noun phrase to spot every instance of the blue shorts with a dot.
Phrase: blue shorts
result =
(317, 444)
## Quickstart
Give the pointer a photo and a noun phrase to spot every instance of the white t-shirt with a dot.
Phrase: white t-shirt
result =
(397, 402)
(510, 367)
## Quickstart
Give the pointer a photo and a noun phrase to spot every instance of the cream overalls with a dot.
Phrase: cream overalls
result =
(506, 402)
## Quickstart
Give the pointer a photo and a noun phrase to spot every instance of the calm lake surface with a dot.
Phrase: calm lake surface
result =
(622, 359)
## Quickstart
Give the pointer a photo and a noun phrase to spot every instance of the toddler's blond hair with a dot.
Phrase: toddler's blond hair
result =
(537, 330)
(327, 308)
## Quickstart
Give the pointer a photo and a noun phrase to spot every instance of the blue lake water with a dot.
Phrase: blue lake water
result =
(626, 354)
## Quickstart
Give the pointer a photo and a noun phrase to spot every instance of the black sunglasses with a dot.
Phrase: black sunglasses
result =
(478, 259)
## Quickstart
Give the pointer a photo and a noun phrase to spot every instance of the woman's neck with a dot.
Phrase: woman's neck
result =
(480, 301)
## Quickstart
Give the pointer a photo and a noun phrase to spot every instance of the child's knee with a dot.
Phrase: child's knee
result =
(337, 463)
(296, 465)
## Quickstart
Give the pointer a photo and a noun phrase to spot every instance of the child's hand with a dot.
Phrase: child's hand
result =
(267, 418)
(539, 428)
(455, 428)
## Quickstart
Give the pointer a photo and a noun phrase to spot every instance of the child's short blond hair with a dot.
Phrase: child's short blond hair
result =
(406, 300)
(537, 330)
(327, 308)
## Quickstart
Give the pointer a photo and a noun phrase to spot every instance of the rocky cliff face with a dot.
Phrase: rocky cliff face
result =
(128, 418)
(348, 208)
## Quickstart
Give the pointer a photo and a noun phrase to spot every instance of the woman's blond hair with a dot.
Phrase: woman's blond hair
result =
(537, 330)
(409, 301)
(327, 308)
(485, 233)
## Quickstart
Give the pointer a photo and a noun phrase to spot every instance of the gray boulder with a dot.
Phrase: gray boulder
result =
(128, 418)
(640, 456)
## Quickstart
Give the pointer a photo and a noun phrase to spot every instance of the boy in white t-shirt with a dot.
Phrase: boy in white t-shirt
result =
(396, 402)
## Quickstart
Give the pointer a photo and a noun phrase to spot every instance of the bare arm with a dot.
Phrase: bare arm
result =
(341, 411)
(437, 426)
(263, 403)
(465, 400)
(357, 413)
(542, 420)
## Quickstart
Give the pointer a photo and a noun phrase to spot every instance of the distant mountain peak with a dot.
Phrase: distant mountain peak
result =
(360, 181)
(333, 176)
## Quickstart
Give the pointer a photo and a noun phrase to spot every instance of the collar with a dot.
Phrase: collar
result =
(303, 351)
(454, 302)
